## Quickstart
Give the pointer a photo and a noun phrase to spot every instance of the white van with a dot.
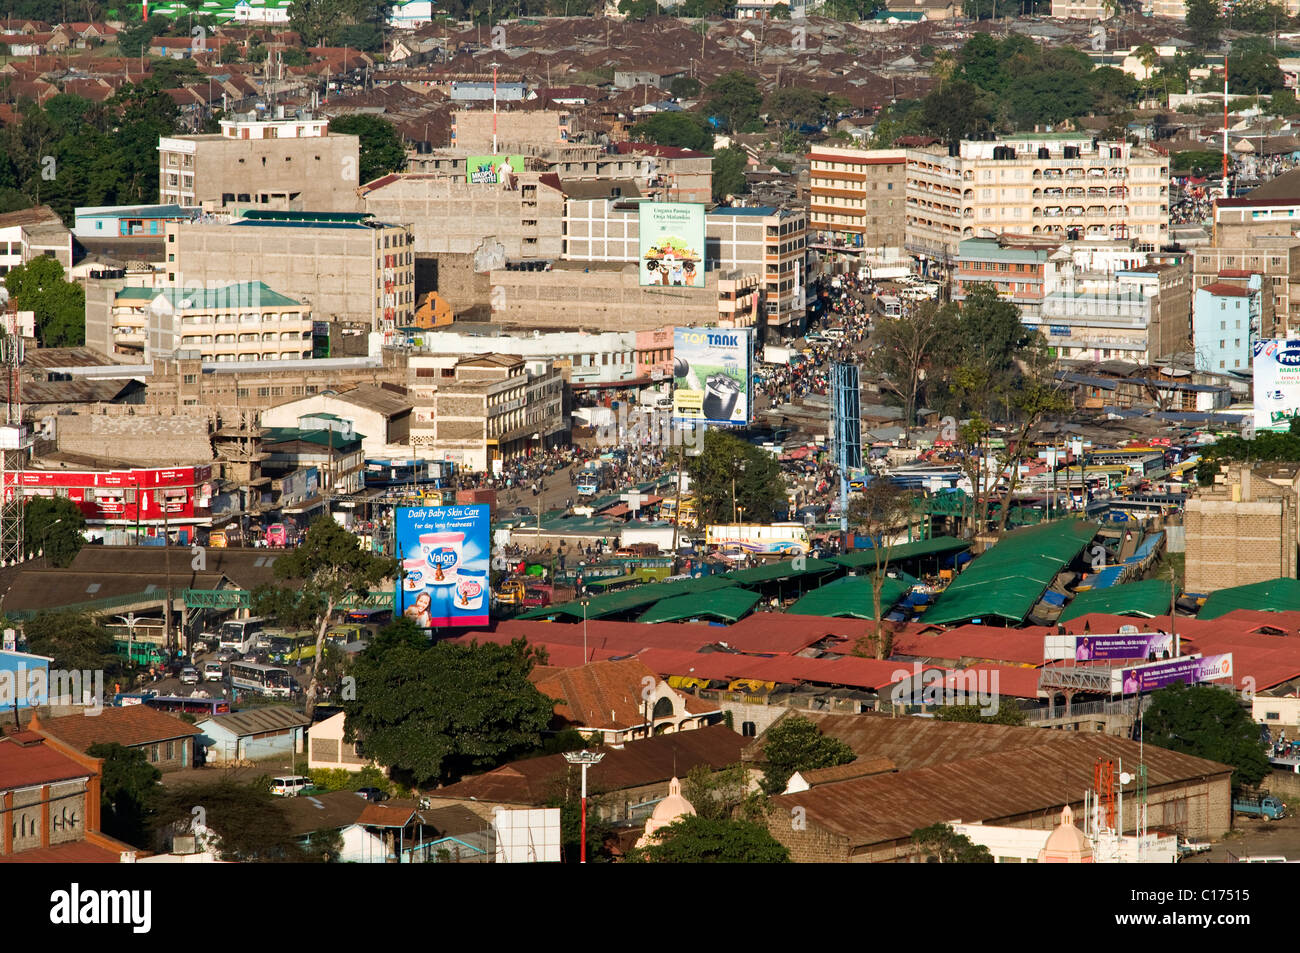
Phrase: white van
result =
(289, 785)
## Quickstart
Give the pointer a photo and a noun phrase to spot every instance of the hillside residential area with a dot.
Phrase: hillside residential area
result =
(650, 431)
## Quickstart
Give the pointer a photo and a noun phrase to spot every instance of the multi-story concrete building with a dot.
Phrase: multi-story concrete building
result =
(240, 322)
(1237, 221)
(1275, 258)
(1062, 185)
(1080, 10)
(508, 130)
(857, 197)
(1225, 324)
(763, 241)
(343, 266)
(287, 164)
(1016, 268)
(1137, 316)
(452, 215)
(1243, 528)
(31, 233)
(473, 410)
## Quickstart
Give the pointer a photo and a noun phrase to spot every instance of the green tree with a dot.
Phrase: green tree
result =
(53, 525)
(797, 106)
(1253, 68)
(381, 146)
(1207, 722)
(128, 791)
(957, 110)
(76, 641)
(729, 167)
(567, 796)
(697, 840)
(683, 87)
(1008, 713)
(230, 53)
(639, 9)
(170, 73)
(718, 795)
(60, 305)
(735, 99)
(796, 744)
(881, 510)
(940, 844)
(733, 479)
(904, 349)
(686, 130)
(1204, 22)
(294, 56)
(327, 566)
(434, 713)
(248, 821)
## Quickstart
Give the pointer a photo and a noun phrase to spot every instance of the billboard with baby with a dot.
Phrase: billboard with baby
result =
(445, 553)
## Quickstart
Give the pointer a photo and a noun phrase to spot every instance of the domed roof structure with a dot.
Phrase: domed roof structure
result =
(1067, 844)
(670, 809)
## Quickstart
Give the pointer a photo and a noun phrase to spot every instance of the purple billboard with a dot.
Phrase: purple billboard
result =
(1192, 669)
(1129, 645)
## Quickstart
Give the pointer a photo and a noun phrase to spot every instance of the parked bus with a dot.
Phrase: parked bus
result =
(670, 510)
(268, 680)
(238, 634)
(292, 647)
(217, 539)
(891, 305)
(203, 707)
(774, 539)
(142, 653)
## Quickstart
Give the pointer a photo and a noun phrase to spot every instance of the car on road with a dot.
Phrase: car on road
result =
(226, 655)
(213, 672)
(289, 785)
(189, 675)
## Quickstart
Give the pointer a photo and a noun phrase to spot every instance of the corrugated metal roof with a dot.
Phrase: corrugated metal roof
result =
(1273, 595)
(851, 596)
(258, 720)
(726, 604)
(938, 546)
(780, 570)
(1146, 599)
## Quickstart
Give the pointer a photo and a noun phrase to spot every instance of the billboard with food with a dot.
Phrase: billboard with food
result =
(671, 244)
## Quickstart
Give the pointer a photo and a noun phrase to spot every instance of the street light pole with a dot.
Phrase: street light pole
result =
(45, 538)
(586, 759)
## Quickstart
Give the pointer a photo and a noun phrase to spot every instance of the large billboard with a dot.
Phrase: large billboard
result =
(493, 170)
(671, 243)
(445, 554)
(1277, 383)
(713, 375)
(1191, 669)
(1125, 645)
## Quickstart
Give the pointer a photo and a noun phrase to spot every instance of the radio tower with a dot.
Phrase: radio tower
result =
(12, 453)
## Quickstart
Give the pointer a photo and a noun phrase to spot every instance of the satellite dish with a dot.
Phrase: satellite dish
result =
(1125, 778)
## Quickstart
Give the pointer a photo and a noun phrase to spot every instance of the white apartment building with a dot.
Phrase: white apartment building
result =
(1080, 10)
(1061, 185)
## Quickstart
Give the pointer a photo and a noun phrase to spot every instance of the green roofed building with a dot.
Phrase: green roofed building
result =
(923, 553)
(1144, 600)
(624, 601)
(1008, 580)
(723, 605)
(850, 597)
(237, 321)
(1272, 595)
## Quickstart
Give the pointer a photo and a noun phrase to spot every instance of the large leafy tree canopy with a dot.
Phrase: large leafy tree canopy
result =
(435, 713)
(53, 525)
(381, 146)
(74, 640)
(128, 792)
(1207, 722)
(249, 821)
(734, 99)
(940, 844)
(797, 744)
(326, 567)
(701, 840)
(731, 477)
(59, 305)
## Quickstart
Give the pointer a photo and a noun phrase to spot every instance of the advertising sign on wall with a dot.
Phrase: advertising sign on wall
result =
(1192, 669)
(445, 553)
(713, 374)
(1277, 383)
(493, 170)
(671, 245)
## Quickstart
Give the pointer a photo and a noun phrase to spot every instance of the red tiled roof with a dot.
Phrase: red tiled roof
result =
(129, 726)
(864, 673)
(604, 695)
(997, 644)
(1222, 289)
(1013, 681)
(75, 852)
(26, 760)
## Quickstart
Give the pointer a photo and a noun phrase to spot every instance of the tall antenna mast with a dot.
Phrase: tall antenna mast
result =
(1225, 125)
(13, 449)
